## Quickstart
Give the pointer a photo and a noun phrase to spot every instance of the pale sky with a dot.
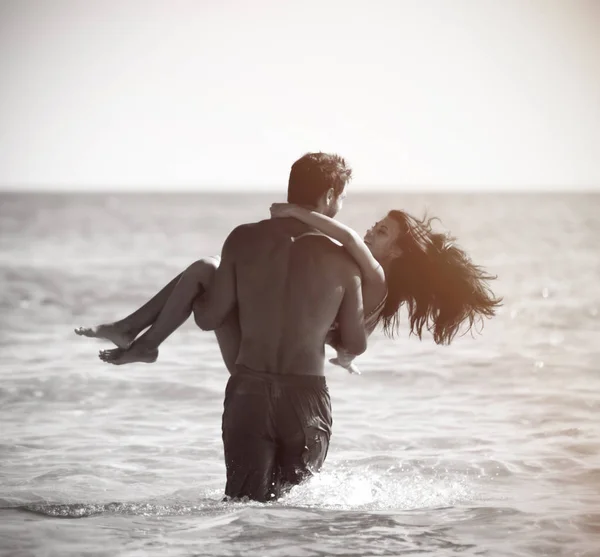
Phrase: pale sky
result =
(192, 95)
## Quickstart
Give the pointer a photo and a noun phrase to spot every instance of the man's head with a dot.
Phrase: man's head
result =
(319, 180)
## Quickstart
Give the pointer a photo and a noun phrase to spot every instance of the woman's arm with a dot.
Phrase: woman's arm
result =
(370, 268)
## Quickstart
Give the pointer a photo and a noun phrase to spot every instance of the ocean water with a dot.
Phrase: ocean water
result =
(490, 446)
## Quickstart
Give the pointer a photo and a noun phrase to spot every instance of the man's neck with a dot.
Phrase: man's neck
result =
(312, 208)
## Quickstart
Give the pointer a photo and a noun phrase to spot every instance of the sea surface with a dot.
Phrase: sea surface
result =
(490, 446)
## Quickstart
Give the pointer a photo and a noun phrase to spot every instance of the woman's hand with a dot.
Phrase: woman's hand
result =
(279, 210)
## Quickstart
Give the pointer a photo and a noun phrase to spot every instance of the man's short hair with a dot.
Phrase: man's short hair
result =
(314, 174)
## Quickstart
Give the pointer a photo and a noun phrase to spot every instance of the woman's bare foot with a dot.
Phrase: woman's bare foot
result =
(350, 366)
(136, 353)
(117, 334)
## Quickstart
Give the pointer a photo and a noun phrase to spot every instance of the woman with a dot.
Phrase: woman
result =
(410, 264)
(402, 261)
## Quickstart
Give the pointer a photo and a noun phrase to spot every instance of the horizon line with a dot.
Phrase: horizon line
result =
(237, 189)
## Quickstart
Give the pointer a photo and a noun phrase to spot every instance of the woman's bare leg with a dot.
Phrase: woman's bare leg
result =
(123, 332)
(176, 310)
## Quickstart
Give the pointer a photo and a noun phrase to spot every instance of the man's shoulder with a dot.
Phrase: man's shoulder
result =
(249, 229)
(239, 237)
(253, 227)
(247, 235)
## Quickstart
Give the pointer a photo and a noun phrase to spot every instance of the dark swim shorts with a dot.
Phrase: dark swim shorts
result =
(276, 431)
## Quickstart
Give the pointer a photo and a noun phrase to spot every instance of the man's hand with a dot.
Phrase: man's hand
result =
(343, 359)
(333, 337)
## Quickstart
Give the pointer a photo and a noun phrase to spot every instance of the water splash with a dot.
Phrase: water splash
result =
(347, 488)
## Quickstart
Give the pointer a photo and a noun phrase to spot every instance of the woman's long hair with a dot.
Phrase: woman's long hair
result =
(441, 287)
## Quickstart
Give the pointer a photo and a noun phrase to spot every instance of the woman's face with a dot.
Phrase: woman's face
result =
(382, 239)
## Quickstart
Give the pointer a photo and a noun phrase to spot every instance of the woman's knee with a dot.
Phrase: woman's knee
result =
(203, 270)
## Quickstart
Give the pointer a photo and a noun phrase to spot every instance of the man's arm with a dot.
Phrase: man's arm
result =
(211, 309)
(351, 318)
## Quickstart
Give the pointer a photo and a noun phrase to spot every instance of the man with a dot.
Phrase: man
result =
(290, 284)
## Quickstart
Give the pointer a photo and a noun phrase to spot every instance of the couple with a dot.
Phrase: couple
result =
(281, 291)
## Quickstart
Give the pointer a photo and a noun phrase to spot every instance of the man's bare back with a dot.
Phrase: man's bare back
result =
(291, 287)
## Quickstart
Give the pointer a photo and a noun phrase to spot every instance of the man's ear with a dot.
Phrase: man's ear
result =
(330, 196)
